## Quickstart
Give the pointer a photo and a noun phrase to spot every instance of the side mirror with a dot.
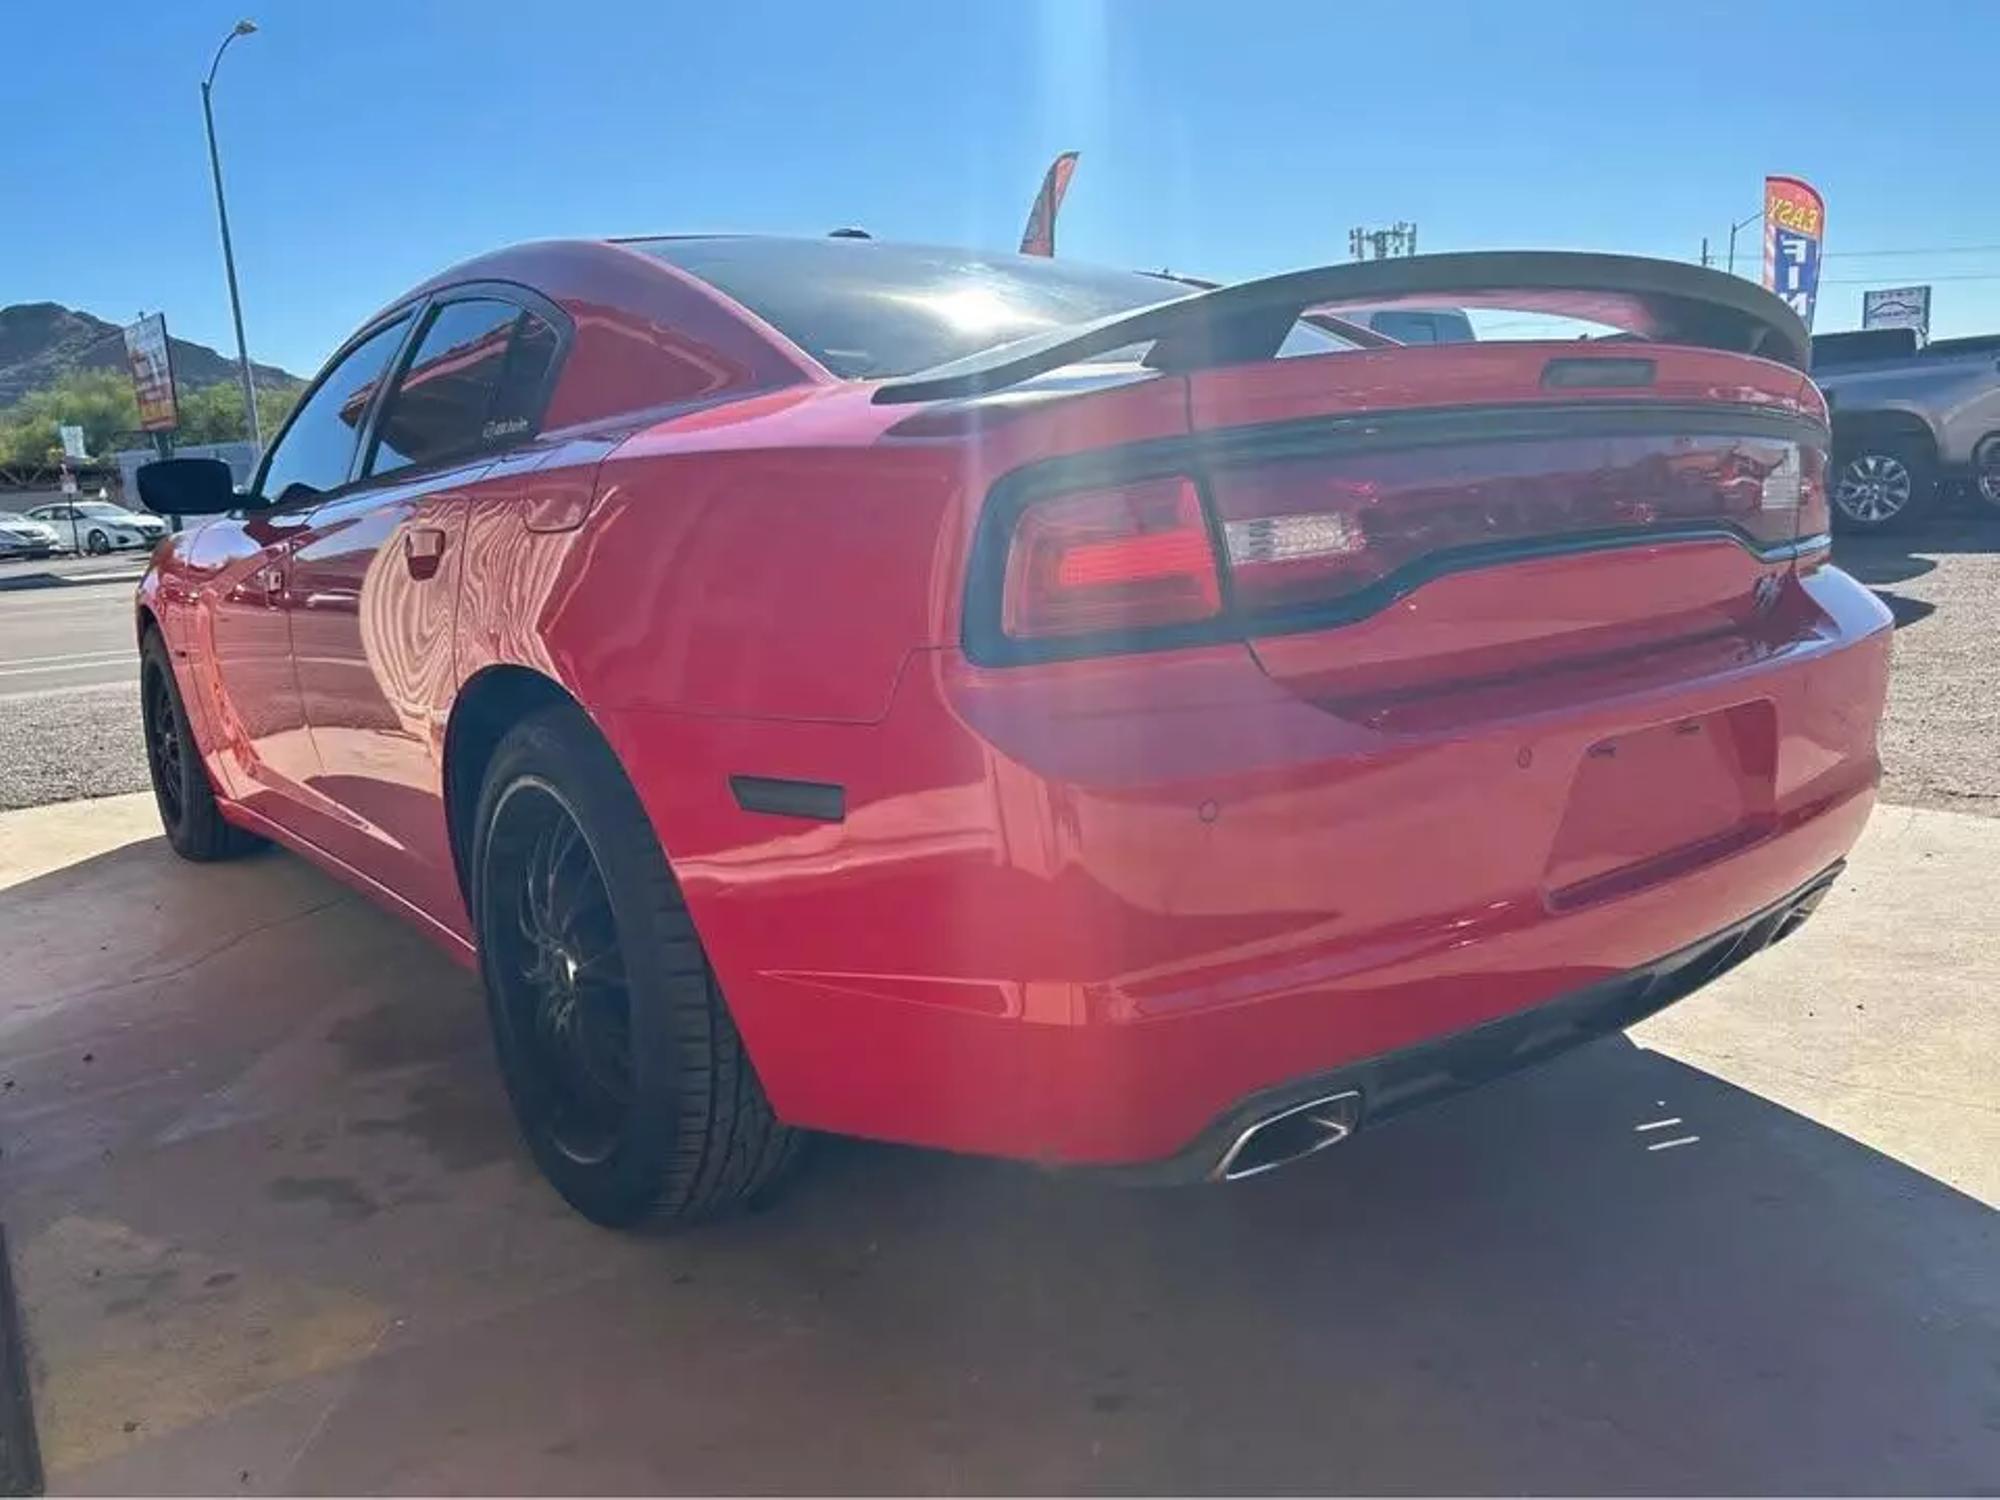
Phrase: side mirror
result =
(189, 487)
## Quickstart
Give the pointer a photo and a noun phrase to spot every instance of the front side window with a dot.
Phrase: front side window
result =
(317, 449)
(474, 383)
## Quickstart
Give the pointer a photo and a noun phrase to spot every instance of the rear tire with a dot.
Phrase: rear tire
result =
(1882, 484)
(181, 790)
(627, 1076)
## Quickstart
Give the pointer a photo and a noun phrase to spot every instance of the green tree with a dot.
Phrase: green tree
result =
(102, 404)
(214, 414)
(98, 401)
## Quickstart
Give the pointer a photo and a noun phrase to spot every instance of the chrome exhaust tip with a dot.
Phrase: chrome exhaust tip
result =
(1290, 1135)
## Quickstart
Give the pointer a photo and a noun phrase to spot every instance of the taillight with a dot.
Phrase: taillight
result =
(1304, 540)
(1815, 522)
(1310, 532)
(1110, 561)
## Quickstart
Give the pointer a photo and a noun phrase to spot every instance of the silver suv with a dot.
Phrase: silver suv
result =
(1907, 420)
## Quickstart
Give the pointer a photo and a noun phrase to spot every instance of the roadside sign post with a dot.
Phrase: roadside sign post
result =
(1898, 307)
(151, 358)
(69, 495)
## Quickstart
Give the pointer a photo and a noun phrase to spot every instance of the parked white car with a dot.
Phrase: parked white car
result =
(21, 537)
(99, 526)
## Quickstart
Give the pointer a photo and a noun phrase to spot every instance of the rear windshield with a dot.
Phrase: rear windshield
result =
(868, 310)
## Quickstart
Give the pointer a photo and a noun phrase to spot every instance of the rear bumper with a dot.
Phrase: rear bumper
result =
(1090, 915)
(1387, 1086)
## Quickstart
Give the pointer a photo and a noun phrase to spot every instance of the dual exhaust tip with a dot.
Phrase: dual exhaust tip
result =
(1290, 1135)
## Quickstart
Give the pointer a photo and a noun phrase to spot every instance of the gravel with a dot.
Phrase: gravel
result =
(81, 742)
(1941, 737)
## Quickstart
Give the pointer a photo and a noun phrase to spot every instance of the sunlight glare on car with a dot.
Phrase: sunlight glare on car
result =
(975, 309)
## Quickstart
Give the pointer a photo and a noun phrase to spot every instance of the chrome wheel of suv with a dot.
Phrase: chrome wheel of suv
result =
(1986, 478)
(1874, 488)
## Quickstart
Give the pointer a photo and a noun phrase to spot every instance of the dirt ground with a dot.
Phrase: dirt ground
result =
(1941, 737)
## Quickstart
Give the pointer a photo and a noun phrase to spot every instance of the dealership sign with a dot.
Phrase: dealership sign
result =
(152, 373)
(1898, 307)
(1794, 225)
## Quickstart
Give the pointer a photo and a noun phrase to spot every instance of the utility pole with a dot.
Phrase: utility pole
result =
(242, 28)
(1706, 258)
(1732, 237)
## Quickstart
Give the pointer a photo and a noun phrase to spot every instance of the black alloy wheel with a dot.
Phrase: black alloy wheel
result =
(629, 1081)
(164, 757)
(193, 822)
(558, 971)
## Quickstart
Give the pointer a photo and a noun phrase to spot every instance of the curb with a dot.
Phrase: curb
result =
(20, 582)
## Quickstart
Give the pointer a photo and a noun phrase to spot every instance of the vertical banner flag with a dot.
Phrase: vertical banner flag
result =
(1794, 225)
(1039, 238)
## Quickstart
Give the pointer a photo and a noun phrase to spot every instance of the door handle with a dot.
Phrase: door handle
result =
(423, 550)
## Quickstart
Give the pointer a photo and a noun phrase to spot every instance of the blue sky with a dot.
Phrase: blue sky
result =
(369, 142)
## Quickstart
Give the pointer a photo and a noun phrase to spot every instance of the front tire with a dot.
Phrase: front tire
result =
(194, 825)
(627, 1076)
(1882, 484)
(1986, 472)
(97, 544)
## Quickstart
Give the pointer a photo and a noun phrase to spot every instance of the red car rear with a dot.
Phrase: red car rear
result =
(959, 700)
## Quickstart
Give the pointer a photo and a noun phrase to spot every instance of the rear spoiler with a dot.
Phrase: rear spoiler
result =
(1661, 300)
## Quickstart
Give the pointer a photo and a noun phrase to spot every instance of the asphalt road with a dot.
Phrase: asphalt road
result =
(69, 711)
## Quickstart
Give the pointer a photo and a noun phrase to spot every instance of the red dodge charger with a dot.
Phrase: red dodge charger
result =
(1019, 708)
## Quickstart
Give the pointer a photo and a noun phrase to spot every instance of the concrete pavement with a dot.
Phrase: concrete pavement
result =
(273, 1233)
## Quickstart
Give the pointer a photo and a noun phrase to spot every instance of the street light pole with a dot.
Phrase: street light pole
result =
(242, 28)
(1732, 237)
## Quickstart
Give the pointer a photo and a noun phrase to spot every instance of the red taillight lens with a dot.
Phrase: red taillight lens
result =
(1109, 561)
(1312, 531)
(1814, 519)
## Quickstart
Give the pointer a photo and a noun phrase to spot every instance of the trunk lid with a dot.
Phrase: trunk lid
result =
(1396, 521)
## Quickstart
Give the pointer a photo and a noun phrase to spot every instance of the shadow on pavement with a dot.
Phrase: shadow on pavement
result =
(1508, 1292)
(1900, 556)
(1897, 556)
(1907, 611)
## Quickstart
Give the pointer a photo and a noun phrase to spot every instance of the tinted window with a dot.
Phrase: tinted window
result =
(1860, 347)
(318, 447)
(1406, 327)
(1310, 338)
(865, 309)
(475, 381)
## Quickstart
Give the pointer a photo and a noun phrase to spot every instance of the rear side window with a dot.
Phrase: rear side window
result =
(317, 449)
(1406, 327)
(475, 382)
(866, 309)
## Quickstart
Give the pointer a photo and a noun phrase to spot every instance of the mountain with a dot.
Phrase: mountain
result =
(40, 342)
